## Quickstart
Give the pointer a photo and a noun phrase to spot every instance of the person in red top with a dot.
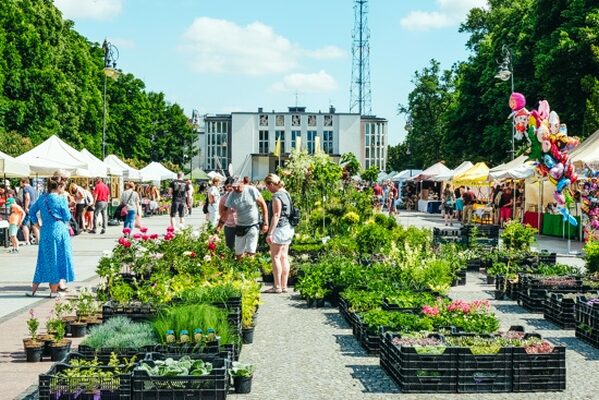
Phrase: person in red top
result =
(101, 197)
(378, 194)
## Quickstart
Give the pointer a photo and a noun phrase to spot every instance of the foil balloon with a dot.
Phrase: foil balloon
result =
(544, 109)
(554, 123)
(517, 101)
(521, 118)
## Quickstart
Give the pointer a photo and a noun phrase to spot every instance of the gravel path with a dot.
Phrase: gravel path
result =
(308, 354)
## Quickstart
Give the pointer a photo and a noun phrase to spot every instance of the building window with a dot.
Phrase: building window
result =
(295, 120)
(327, 142)
(280, 136)
(280, 121)
(294, 136)
(263, 120)
(328, 120)
(310, 141)
(311, 120)
(263, 142)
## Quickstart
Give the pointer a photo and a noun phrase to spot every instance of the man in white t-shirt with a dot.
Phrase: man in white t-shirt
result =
(245, 200)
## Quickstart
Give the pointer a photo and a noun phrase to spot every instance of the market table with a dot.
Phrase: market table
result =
(532, 218)
(429, 206)
(553, 225)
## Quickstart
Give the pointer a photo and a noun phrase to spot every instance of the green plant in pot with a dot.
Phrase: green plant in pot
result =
(242, 376)
(60, 346)
(591, 256)
(33, 346)
(84, 305)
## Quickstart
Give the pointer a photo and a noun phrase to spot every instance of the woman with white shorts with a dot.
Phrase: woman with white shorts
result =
(280, 232)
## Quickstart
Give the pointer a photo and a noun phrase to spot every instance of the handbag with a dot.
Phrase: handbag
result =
(125, 209)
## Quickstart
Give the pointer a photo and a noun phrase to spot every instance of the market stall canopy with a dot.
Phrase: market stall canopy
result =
(382, 176)
(465, 166)
(10, 167)
(54, 154)
(212, 174)
(587, 152)
(96, 166)
(431, 172)
(518, 168)
(477, 175)
(129, 173)
(155, 171)
(405, 174)
(198, 174)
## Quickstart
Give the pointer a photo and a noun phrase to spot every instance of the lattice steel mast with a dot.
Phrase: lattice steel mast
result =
(360, 97)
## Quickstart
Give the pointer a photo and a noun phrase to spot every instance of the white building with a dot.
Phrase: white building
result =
(246, 140)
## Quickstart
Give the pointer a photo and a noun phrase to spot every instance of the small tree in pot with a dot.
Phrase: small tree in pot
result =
(242, 376)
(33, 347)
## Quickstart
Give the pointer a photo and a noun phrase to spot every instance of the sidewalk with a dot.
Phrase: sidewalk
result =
(16, 271)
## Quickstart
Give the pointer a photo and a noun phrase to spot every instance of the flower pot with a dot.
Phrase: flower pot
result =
(490, 279)
(242, 384)
(47, 341)
(34, 353)
(78, 329)
(247, 335)
(60, 350)
(500, 295)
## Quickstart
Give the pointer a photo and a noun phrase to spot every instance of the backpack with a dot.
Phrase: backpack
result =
(295, 215)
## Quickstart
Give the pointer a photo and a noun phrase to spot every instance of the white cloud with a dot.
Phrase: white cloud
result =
(89, 9)
(218, 45)
(319, 82)
(449, 13)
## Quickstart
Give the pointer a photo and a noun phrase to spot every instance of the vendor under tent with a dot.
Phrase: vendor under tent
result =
(129, 173)
(10, 167)
(431, 172)
(54, 154)
(197, 174)
(155, 171)
(477, 175)
(426, 202)
(463, 167)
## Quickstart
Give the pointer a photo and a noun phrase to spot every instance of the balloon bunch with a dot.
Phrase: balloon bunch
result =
(549, 145)
(590, 209)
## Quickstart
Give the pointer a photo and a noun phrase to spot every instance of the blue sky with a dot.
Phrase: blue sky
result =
(238, 55)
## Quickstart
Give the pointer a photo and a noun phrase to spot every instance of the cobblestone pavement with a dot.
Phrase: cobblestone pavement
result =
(304, 353)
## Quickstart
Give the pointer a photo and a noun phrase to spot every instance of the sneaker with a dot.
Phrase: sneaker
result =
(103, 231)
(93, 231)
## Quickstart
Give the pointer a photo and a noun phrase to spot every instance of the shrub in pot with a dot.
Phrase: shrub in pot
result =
(60, 346)
(242, 376)
(33, 347)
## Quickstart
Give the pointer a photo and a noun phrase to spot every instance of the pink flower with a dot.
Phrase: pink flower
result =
(430, 311)
(143, 229)
(169, 236)
(170, 229)
(154, 236)
(127, 231)
(32, 313)
(127, 243)
(137, 236)
(122, 240)
(459, 305)
(145, 237)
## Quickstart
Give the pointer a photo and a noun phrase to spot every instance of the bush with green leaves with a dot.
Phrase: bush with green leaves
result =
(591, 256)
(517, 236)
(120, 333)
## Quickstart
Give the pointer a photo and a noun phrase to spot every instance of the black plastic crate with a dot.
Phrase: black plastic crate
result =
(534, 304)
(560, 310)
(210, 387)
(484, 372)
(53, 386)
(587, 334)
(460, 279)
(371, 343)
(539, 372)
(394, 307)
(89, 352)
(586, 314)
(133, 311)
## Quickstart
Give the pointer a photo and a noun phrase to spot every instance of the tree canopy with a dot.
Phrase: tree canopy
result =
(461, 114)
(51, 82)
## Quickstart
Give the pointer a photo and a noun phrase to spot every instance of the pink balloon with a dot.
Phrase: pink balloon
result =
(544, 109)
(557, 171)
(517, 101)
(546, 144)
(559, 198)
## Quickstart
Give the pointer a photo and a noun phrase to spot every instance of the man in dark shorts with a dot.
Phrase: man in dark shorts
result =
(178, 190)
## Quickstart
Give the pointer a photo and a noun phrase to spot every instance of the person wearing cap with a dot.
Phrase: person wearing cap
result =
(15, 219)
(280, 232)
(245, 200)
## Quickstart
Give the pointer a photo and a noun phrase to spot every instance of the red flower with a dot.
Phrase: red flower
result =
(193, 254)
(154, 236)
(137, 236)
(170, 229)
(211, 246)
(127, 243)
(169, 236)
(121, 240)
(127, 231)
(145, 237)
(143, 229)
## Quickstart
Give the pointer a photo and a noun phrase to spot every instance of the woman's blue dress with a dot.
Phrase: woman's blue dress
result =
(54, 256)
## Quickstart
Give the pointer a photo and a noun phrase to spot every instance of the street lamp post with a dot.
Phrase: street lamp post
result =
(506, 72)
(111, 55)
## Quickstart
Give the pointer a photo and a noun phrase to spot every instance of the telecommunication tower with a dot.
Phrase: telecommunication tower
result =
(360, 97)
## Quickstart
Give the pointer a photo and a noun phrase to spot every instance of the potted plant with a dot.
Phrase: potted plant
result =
(242, 376)
(84, 305)
(33, 347)
(60, 346)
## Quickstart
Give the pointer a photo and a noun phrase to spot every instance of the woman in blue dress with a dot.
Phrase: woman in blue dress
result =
(54, 257)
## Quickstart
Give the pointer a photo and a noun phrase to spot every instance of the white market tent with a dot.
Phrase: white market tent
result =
(465, 166)
(98, 167)
(54, 154)
(10, 167)
(587, 152)
(405, 174)
(518, 168)
(431, 172)
(212, 174)
(155, 171)
(129, 173)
